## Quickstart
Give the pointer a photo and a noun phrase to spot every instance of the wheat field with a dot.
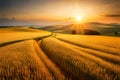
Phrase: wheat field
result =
(80, 63)
(20, 62)
(30, 54)
(22, 33)
(100, 43)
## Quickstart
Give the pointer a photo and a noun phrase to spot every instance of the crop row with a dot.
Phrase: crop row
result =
(78, 63)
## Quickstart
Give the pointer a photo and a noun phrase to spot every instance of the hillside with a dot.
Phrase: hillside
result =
(22, 33)
(30, 54)
(84, 63)
(104, 29)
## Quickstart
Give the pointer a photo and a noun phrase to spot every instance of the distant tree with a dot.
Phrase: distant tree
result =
(73, 32)
(91, 32)
(116, 33)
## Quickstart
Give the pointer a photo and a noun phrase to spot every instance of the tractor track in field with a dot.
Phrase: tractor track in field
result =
(42, 51)
(113, 72)
(12, 42)
(36, 39)
(68, 75)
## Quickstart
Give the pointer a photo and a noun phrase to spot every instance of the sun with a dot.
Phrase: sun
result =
(79, 18)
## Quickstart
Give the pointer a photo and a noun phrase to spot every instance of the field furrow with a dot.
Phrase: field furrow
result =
(99, 40)
(106, 56)
(51, 66)
(79, 63)
(53, 56)
(90, 45)
(19, 61)
(11, 35)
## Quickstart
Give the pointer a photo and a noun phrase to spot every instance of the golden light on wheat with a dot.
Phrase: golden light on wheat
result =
(59, 57)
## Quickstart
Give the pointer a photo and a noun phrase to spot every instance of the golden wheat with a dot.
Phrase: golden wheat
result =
(79, 63)
(100, 40)
(20, 61)
(12, 34)
(52, 67)
(106, 56)
(86, 44)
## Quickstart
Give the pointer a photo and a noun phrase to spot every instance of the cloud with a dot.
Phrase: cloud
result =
(8, 19)
(112, 15)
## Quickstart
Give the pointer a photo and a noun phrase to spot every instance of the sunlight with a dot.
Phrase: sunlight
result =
(79, 18)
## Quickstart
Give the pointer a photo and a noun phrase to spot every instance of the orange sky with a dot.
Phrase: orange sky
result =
(60, 10)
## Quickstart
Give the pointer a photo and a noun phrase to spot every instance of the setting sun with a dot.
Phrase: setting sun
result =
(79, 18)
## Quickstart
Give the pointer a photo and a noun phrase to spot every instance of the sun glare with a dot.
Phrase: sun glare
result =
(79, 18)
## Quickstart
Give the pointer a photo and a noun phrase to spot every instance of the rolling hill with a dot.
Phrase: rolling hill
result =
(22, 33)
(30, 54)
(104, 29)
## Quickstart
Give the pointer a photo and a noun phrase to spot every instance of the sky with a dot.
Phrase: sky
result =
(46, 12)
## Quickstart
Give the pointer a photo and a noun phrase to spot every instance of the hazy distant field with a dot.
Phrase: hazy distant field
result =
(103, 29)
(42, 55)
